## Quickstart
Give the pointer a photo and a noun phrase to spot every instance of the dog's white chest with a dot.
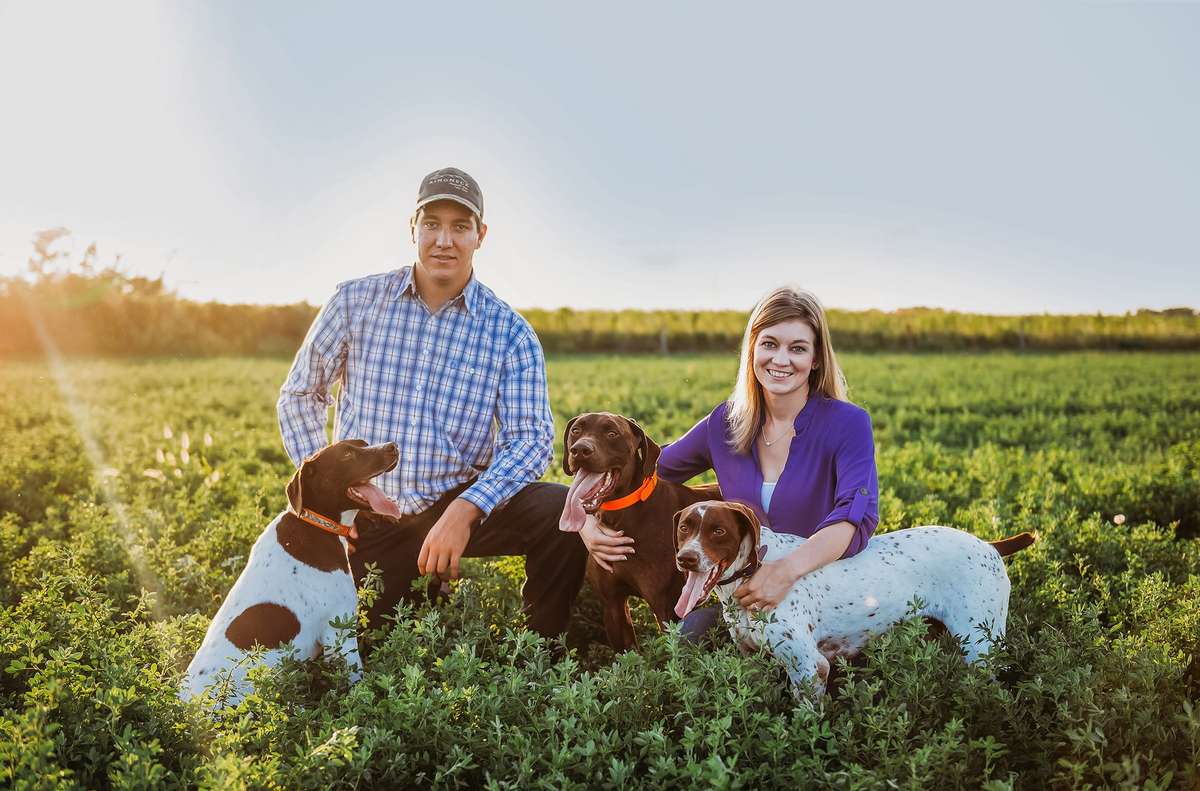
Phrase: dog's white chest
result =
(279, 602)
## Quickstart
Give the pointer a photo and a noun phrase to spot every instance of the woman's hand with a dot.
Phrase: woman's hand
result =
(773, 580)
(605, 545)
(767, 587)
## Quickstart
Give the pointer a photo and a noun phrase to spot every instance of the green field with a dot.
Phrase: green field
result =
(130, 493)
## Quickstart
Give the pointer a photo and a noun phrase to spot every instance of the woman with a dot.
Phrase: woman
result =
(788, 444)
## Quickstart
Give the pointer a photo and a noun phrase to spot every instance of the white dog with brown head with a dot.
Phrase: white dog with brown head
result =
(833, 611)
(297, 582)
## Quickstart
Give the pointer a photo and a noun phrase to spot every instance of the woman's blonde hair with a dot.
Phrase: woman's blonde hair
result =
(746, 403)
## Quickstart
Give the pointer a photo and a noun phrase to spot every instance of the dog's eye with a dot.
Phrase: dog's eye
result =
(612, 435)
(347, 454)
(575, 430)
(718, 531)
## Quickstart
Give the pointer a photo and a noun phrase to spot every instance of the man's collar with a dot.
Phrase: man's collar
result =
(469, 298)
(471, 295)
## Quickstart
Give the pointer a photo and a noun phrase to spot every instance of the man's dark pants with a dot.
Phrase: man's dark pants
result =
(525, 525)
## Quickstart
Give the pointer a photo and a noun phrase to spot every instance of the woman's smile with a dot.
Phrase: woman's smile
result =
(784, 355)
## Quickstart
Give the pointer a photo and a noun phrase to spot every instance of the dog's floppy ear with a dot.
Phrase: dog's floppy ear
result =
(675, 520)
(749, 520)
(567, 445)
(295, 490)
(647, 451)
(295, 487)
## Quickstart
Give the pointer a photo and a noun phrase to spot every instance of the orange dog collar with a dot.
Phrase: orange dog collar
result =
(640, 495)
(323, 522)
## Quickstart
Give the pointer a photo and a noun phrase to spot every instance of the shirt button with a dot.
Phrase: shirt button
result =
(413, 422)
(862, 490)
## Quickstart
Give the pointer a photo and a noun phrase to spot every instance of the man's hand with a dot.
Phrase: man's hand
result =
(447, 539)
(605, 545)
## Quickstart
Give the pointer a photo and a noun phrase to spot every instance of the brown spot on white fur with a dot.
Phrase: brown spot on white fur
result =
(293, 582)
(267, 624)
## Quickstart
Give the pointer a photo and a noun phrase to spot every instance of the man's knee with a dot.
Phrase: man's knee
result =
(547, 501)
(535, 510)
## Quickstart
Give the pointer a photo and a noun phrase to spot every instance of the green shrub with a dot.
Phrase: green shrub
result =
(112, 564)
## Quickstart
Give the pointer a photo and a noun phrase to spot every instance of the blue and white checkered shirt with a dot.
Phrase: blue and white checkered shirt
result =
(462, 392)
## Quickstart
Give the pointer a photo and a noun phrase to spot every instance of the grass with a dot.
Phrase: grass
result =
(126, 512)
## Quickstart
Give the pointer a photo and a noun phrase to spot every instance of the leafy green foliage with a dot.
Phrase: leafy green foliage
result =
(131, 492)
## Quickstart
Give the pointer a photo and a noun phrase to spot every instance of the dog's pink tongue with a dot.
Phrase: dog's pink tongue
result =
(573, 515)
(693, 590)
(380, 503)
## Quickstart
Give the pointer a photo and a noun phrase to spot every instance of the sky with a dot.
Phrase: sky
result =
(1011, 158)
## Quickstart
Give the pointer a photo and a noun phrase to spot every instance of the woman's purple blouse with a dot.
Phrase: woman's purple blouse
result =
(829, 476)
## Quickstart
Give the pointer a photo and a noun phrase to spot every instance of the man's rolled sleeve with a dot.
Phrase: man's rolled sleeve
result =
(525, 436)
(304, 399)
(857, 484)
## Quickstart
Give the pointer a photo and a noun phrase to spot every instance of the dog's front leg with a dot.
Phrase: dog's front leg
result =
(807, 668)
(614, 607)
(618, 625)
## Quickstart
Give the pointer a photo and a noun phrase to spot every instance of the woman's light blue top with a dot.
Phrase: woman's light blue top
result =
(767, 490)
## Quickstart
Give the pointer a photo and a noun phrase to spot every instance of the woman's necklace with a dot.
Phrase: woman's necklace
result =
(769, 442)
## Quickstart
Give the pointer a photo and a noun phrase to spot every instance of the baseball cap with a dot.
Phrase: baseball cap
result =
(451, 184)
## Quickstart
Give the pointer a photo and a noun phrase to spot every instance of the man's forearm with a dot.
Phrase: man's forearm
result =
(517, 466)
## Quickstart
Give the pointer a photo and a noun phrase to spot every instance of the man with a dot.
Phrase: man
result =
(429, 358)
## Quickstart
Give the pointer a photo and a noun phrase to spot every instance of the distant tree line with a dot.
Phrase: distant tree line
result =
(910, 329)
(85, 309)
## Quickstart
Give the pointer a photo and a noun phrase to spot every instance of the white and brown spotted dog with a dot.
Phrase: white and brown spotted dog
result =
(298, 578)
(833, 611)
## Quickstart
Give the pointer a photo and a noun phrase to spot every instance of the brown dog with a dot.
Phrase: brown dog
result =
(613, 462)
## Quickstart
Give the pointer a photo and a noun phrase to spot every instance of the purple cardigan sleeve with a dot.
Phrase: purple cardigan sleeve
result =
(856, 496)
(687, 456)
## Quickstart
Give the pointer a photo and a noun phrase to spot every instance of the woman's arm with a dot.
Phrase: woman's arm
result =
(687, 456)
(843, 533)
(771, 583)
(826, 545)
(856, 496)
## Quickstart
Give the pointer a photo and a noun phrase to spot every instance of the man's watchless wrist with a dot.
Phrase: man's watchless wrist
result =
(475, 512)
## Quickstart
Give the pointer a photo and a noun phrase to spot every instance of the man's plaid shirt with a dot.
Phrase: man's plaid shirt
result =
(462, 392)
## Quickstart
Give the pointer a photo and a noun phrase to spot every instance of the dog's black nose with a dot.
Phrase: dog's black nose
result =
(688, 560)
(582, 449)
